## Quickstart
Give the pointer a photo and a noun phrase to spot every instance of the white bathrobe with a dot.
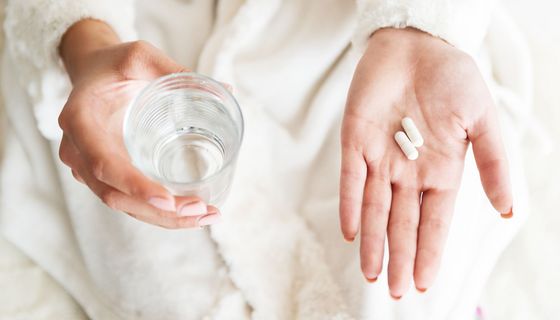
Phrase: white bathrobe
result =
(278, 253)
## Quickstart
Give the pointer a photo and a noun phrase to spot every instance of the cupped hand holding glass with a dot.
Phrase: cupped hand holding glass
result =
(106, 74)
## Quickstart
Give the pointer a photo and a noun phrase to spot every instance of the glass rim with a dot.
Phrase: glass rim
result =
(154, 83)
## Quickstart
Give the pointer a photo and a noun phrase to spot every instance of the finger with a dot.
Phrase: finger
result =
(164, 65)
(190, 206)
(170, 220)
(141, 209)
(114, 198)
(147, 213)
(110, 196)
(122, 202)
(108, 166)
(402, 234)
(143, 60)
(352, 179)
(492, 163)
(181, 222)
(375, 213)
(212, 209)
(214, 216)
(435, 218)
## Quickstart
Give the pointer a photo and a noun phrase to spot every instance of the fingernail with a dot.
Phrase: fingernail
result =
(209, 219)
(395, 297)
(349, 240)
(162, 203)
(192, 209)
(421, 290)
(371, 280)
(508, 215)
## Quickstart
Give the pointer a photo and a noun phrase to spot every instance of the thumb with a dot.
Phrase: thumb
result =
(148, 62)
(492, 162)
(166, 65)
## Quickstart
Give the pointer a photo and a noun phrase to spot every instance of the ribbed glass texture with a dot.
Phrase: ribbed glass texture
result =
(184, 131)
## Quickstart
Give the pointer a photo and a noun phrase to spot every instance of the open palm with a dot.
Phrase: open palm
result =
(410, 73)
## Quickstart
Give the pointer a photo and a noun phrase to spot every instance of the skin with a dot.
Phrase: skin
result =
(105, 75)
(406, 72)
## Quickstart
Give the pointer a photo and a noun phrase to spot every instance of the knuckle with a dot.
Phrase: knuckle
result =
(404, 225)
(372, 206)
(63, 117)
(65, 152)
(136, 51)
(401, 255)
(139, 46)
(62, 121)
(435, 224)
(351, 173)
(69, 117)
(351, 140)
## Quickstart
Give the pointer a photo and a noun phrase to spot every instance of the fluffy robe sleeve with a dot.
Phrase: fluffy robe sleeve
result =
(462, 23)
(33, 31)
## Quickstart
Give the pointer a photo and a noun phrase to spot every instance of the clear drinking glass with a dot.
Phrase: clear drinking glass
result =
(184, 131)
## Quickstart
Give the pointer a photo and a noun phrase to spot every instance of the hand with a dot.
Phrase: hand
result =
(406, 72)
(105, 75)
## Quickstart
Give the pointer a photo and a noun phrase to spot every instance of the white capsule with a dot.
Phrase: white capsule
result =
(412, 132)
(406, 146)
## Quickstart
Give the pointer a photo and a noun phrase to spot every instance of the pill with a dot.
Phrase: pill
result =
(412, 132)
(406, 146)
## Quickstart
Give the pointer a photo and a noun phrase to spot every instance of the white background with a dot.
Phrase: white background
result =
(526, 282)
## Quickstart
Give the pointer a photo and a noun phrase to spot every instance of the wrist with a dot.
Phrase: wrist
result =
(81, 41)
